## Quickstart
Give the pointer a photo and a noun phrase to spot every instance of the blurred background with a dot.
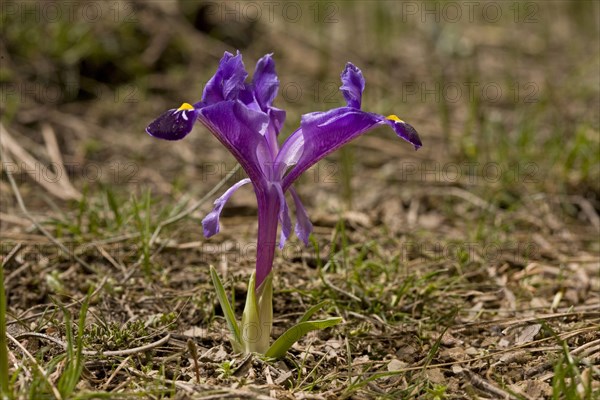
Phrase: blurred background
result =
(510, 86)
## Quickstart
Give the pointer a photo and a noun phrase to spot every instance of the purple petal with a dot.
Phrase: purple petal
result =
(227, 82)
(290, 152)
(284, 216)
(276, 120)
(353, 84)
(174, 124)
(303, 225)
(210, 223)
(323, 133)
(265, 82)
(404, 130)
(241, 130)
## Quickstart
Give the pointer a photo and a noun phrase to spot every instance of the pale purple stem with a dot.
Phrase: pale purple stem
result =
(268, 212)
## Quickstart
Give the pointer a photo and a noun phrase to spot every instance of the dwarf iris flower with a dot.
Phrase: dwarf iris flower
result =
(242, 117)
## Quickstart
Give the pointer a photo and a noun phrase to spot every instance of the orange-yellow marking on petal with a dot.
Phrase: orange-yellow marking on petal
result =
(185, 106)
(394, 118)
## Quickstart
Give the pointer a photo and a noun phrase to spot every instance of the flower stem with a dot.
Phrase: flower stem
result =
(268, 211)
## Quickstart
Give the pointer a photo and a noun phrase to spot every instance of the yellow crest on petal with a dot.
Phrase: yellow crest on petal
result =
(185, 106)
(394, 118)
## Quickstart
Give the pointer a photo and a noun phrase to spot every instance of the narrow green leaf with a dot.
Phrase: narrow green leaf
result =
(227, 310)
(74, 366)
(309, 313)
(251, 330)
(265, 312)
(292, 335)
(4, 386)
(114, 206)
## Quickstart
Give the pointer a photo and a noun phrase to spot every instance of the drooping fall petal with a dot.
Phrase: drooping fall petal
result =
(174, 124)
(210, 223)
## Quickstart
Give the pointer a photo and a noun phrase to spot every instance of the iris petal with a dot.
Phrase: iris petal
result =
(323, 133)
(404, 130)
(210, 223)
(174, 124)
(284, 216)
(227, 82)
(265, 82)
(303, 225)
(241, 130)
(353, 85)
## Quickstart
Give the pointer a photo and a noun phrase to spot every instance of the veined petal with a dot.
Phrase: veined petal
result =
(241, 130)
(227, 82)
(353, 85)
(276, 120)
(174, 124)
(210, 223)
(290, 152)
(323, 133)
(303, 225)
(265, 82)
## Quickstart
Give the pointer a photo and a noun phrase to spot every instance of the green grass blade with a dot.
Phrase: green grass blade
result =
(113, 203)
(4, 388)
(309, 313)
(72, 373)
(226, 306)
(292, 335)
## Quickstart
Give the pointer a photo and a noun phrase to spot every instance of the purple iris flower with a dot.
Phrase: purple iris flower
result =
(241, 115)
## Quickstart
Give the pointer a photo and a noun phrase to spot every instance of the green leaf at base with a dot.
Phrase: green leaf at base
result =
(292, 335)
(236, 338)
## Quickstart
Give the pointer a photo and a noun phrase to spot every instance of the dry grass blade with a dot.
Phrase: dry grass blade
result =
(108, 353)
(43, 230)
(53, 388)
(56, 184)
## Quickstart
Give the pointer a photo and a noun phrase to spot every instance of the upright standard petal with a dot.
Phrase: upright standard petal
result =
(265, 82)
(241, 130)
(353, 85)
(174, 124)
(227, 82)
(210, 223)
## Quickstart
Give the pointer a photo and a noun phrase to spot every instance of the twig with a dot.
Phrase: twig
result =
(108, 353)
(55, 391)
(484, 385)
(12, 253)
(119, 368)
